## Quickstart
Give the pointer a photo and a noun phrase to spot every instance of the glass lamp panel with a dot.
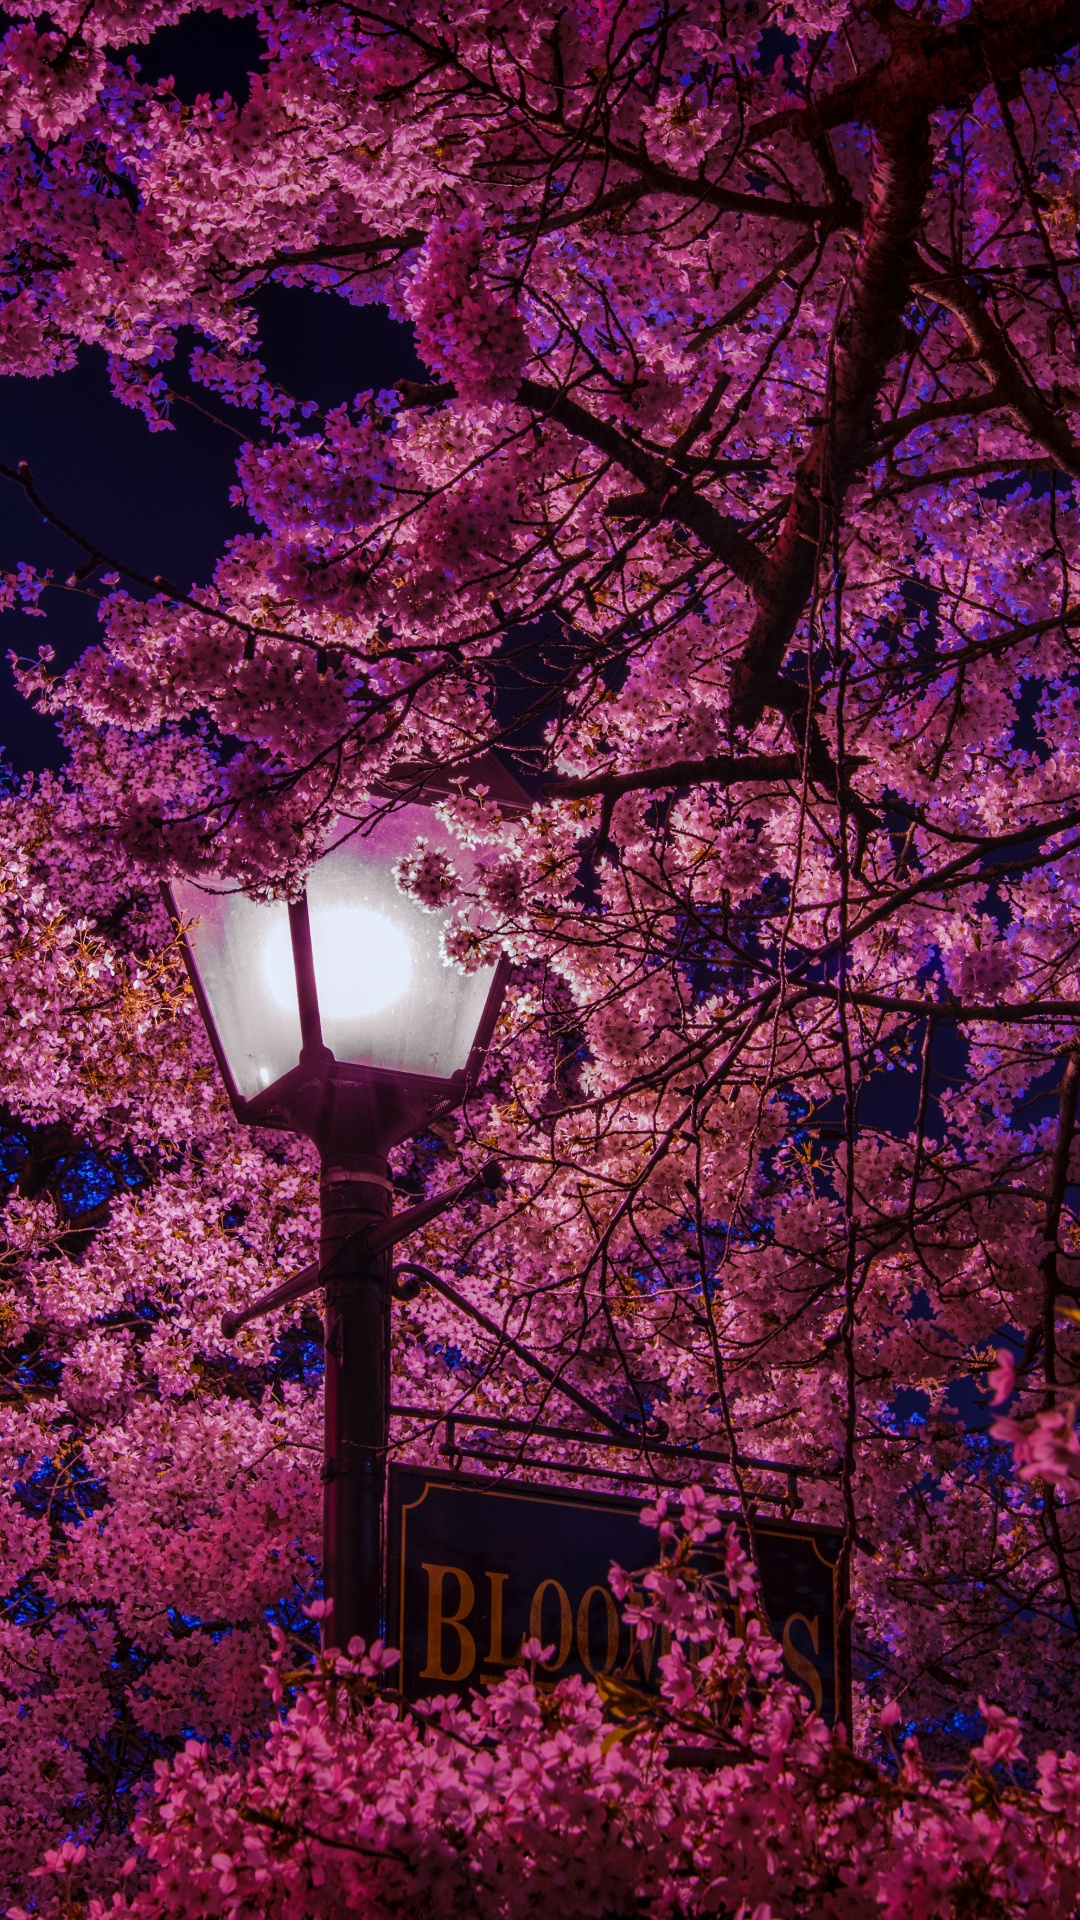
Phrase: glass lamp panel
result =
(387, 998)
(238, 945)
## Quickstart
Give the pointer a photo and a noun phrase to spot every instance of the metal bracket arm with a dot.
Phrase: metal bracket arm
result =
(294, 1289)
(532, 1360)
(400, 1225)
(396, 1228)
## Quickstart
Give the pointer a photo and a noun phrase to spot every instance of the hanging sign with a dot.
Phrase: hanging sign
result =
(478, 1566)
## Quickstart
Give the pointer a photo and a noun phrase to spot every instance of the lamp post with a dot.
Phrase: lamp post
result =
(337, 1017)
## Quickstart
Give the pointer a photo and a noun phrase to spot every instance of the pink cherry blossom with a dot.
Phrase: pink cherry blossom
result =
(1000, 1744)
(1002, 1378)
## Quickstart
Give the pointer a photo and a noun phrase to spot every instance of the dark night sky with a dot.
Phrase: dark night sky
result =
(159, 500)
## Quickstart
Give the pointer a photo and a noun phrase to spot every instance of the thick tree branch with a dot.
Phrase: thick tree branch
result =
(901, 483)
(966, 406)
(660, 179)
(626, 194)
(718, 769)
(841, 445)
(674, 496)
(668, 493)
(1012, 389)
(994, 1013)
(752, 298)
(713, 770)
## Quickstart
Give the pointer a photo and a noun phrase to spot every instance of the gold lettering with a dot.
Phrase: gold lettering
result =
(647, 1648)
(566, 1622)
(495, 1645)
(583, 1630)
(801, 1666)
(437, 1620)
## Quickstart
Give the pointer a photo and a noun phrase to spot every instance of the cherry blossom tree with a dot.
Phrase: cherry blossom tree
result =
(744, 480)
(158, 1500)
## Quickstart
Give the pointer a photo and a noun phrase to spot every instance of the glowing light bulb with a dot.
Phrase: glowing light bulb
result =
(363, 962)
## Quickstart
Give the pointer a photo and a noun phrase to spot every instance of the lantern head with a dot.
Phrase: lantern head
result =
(339, 1016)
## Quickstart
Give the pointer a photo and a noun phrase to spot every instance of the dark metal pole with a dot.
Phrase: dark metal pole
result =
(355, 1196)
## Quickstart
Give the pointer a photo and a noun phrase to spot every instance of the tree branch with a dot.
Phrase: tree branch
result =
(1012, 389)
(669, 495)
(930, 67)
(718, 769)
(996, 1014)
(661, 179)
(842, 444)
(966, 406)
(1068, 1096)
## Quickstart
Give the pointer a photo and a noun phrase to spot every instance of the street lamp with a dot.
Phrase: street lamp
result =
(337, 1017)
